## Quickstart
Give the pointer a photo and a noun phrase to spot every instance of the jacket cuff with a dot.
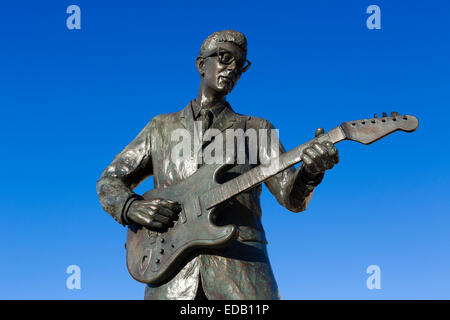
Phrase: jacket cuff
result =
(123, 218)
(310, 182)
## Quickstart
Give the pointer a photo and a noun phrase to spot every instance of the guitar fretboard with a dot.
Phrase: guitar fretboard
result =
(261, 173)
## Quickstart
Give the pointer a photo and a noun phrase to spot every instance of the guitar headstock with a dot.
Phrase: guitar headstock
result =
(367, 131)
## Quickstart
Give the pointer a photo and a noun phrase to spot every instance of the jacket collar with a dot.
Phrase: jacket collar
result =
(215, 109)
(224, 120)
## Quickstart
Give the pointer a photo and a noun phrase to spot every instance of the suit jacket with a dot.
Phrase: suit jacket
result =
(240, 271)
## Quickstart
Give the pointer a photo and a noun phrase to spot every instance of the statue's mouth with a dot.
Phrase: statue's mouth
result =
(227, 79)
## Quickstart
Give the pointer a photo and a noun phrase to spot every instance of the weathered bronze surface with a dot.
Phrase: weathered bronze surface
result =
(198, 234)
(153, 256)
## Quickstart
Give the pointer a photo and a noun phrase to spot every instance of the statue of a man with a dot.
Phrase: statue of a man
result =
(241, 270)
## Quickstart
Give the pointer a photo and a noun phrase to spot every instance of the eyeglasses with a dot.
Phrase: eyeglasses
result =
(226, 58)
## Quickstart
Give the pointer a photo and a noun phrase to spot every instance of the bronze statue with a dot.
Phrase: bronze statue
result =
(198, 234)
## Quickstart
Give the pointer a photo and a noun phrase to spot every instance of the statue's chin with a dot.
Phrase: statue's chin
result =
(224, 90)
(227, 88)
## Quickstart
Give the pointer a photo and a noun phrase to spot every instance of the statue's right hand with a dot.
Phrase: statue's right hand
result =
(155, 213)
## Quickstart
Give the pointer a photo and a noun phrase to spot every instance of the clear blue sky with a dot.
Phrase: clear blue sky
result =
(72, 99)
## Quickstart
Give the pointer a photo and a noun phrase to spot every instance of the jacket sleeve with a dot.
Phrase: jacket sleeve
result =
(289, 187)
(128, 169)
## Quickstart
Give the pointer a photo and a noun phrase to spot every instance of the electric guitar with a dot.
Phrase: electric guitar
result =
(152, 257)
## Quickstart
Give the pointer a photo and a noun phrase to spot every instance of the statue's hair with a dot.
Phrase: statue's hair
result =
(223, 36)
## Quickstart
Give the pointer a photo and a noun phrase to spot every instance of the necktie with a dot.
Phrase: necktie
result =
(206, 116)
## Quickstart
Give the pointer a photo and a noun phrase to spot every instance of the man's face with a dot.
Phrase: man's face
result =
(220, 74)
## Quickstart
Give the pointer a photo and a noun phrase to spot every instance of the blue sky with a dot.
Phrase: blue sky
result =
(72, 99)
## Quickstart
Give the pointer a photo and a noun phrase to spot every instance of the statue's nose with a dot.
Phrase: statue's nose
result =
(232, 66)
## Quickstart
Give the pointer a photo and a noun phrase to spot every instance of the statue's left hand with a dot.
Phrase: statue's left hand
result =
(319, 157)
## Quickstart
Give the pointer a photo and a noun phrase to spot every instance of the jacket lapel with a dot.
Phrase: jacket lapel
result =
(188, 121)
(225, 119)
(186, 116)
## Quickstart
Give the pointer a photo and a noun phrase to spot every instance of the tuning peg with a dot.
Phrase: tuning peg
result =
(375, 115)
(384, 114)
(394, 114)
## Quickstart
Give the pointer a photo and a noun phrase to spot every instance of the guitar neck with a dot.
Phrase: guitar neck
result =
(261, 173)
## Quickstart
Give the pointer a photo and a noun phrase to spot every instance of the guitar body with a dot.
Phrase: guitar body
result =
(152, 257)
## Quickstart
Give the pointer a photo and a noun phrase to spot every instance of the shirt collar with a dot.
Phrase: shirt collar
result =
(215, 109)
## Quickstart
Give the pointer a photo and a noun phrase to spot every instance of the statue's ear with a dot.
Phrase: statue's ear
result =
(200, 63)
